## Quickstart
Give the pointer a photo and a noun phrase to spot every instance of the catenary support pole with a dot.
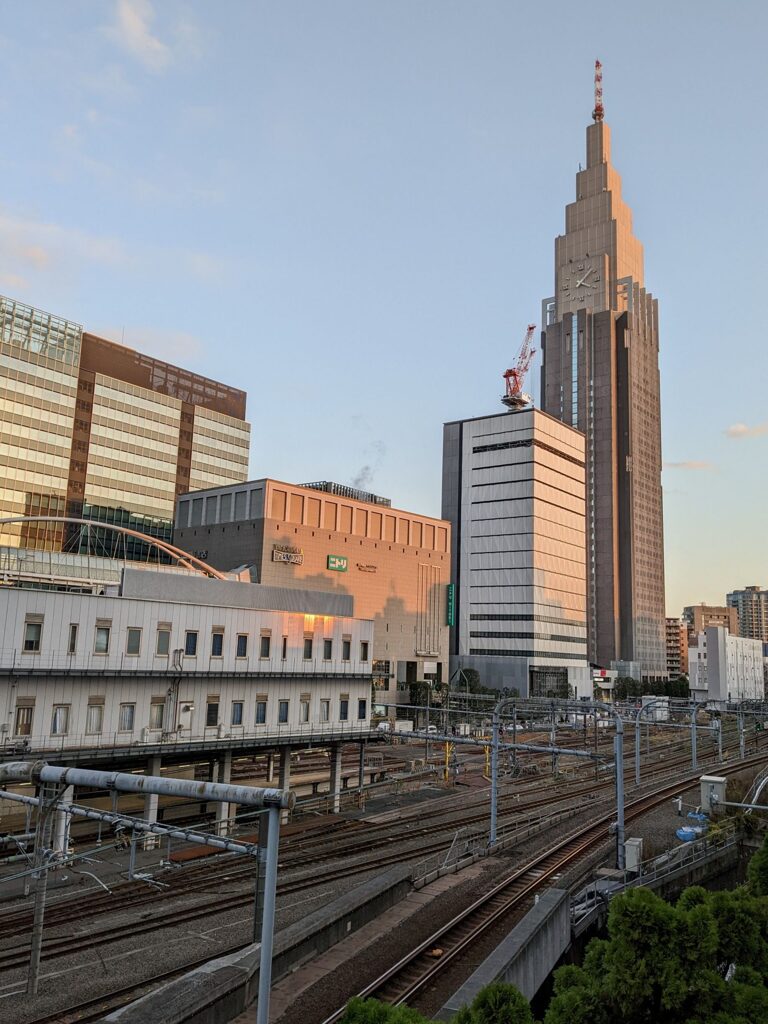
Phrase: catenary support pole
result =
(494, 777)
(151, 800)
(62, 823)
(335, 784)
(618, 748)
(361, 772)
(284, 774)
(694, 711)
(224, 811)
(268, 920)
(45, 812)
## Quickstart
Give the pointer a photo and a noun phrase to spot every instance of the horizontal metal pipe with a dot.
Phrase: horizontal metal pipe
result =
(140, 825)
(222, 792)
(535, 747)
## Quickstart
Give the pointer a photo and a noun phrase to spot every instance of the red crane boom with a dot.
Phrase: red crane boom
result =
(514, 398)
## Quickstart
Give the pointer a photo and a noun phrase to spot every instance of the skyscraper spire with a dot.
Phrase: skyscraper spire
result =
(600, 373)
(598, 112)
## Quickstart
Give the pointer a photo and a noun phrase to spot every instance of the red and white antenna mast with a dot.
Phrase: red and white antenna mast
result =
(598, 112)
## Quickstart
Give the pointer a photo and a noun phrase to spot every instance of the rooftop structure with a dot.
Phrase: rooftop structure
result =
(343, 491)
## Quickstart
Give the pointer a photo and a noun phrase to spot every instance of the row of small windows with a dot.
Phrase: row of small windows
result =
(33, 634)
(527, 636)
(126, 719)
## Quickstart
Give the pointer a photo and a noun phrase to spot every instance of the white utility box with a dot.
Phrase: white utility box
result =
(713, 786)
(633, 855)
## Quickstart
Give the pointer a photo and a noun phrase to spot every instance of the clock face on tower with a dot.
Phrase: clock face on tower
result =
(581, 281)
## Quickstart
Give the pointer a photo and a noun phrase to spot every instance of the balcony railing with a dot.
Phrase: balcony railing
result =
(224, 736)
(18, 662)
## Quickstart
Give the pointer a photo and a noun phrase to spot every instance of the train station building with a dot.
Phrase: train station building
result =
(325, 536)
(167, 668)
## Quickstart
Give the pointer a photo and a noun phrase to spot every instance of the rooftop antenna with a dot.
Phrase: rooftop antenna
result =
(598, 113)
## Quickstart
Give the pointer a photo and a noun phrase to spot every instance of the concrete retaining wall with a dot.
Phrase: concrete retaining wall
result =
(527, 955)
(223, 988)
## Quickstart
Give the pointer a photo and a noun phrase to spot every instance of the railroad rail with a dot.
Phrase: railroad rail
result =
(508, 895)
(409, 976)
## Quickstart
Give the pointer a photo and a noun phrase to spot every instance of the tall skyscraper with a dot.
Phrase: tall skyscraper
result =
(93, 430)
(600, 345)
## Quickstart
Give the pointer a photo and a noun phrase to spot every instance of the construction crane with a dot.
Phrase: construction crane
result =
(515, 397)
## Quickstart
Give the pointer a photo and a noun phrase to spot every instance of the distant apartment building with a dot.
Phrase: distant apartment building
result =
(751, 606)
(93, 430)
(677, 648)
(699, 617)
(514, 492)
(325, 536)
(722, 667)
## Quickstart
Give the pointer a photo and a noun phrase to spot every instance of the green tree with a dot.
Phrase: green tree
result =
(757, 872)
(371, 1011)
(498, 1003)
(669, 964)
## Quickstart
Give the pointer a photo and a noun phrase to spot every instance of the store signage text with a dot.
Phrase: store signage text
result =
(286, 553)
(338, 563)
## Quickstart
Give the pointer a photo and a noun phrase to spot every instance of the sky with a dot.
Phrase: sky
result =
(348, 209)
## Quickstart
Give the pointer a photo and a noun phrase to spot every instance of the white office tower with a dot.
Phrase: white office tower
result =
(514, 491)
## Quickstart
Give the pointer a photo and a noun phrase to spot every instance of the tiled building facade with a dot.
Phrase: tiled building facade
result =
(395, 564)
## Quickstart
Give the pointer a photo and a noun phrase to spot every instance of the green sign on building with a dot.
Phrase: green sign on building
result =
(451, 605)
(337, 562)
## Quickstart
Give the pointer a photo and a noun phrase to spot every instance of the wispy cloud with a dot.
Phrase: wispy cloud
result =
(31, 248)
(133, 33)
(40, 245)
(13, 282)
(690, 464)
(739, 430)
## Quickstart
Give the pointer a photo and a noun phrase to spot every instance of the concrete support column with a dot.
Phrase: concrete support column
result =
(151, 801)
(271, 766)
(335, 788)
(284, 781)
(61, 824)
(224, 811)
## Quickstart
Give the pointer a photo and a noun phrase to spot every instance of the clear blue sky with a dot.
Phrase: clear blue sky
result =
(348, 209)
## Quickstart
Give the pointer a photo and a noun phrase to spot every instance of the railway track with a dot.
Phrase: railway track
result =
(414, 972)
(408, 978)
(318, 844)
(17, 956)
(298, 852)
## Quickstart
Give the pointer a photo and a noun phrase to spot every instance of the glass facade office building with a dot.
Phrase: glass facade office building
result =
(93, 430)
